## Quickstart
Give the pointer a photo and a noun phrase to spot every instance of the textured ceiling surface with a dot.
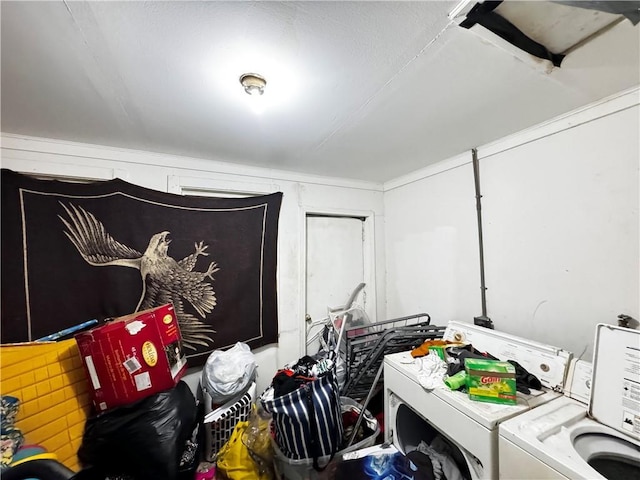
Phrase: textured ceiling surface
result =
(364, 90)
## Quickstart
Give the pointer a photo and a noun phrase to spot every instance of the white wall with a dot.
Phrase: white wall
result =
(560, 218)
(172, 173)
(431, 245)
(561, 231)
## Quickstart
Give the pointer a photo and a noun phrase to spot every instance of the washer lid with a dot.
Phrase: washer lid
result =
(548, 363)
(615, 389)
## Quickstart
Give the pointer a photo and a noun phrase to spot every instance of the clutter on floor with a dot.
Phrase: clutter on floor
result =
(145, 439)
(306, 410)
(149, 429)
(312, 424)
(229, 392)
(381, 461)
(301, 427)
(146, 420)
(362, 347)
(235, 461)
(227, 373)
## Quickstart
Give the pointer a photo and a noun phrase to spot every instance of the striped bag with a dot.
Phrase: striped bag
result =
(308, 421)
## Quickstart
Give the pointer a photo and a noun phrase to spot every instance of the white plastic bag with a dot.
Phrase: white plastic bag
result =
(228, 373)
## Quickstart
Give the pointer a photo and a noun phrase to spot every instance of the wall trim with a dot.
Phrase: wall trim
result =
(16, 142)
(429, 171)
(186, 185)
(63, 171)
(607, 106)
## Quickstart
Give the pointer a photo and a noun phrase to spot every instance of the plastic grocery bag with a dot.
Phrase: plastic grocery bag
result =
(257, 439)
(234, 460)
(228, 373)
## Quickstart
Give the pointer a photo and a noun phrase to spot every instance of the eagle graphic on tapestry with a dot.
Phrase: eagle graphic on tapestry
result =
(164, 280)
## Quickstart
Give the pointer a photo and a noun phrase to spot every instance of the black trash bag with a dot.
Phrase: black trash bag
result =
(144, 440)
(193, 448)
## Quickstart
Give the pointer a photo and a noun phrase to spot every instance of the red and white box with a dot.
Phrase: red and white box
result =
(132, 357)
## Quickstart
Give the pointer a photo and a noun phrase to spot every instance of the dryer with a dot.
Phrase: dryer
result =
(470, 428)
(584, 436)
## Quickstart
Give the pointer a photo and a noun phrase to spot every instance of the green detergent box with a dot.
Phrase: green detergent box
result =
(491, 381)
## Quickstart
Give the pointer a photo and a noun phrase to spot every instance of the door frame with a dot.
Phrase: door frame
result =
(369, 260)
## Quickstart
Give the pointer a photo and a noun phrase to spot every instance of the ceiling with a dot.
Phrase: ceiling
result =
(364, 90)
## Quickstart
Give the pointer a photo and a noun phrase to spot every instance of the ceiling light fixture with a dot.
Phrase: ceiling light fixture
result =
(253, 83)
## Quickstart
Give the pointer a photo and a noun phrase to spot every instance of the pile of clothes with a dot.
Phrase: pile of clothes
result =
(440, 359)
(305, 370)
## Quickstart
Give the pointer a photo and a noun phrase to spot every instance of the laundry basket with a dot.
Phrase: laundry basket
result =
(290, 469)
(220, 422)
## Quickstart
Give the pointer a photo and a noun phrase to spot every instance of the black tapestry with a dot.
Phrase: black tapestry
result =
(72, 252)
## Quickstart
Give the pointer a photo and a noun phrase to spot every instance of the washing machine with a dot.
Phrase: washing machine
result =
(583, 436)
(468, 427)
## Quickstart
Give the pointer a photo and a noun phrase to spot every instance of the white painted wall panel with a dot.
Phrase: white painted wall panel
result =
(561, 231)
(561, 215)
(432, 247)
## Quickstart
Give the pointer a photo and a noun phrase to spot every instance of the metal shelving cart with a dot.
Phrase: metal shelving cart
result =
(365, 346)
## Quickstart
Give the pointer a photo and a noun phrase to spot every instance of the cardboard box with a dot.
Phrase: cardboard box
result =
(491, 381)
(132, 357)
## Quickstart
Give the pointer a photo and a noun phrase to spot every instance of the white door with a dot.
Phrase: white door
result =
(334, 265)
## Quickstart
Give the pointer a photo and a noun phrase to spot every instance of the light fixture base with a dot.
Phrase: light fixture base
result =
(253, 83)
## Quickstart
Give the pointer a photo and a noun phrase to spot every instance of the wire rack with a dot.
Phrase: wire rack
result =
(366, 345)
